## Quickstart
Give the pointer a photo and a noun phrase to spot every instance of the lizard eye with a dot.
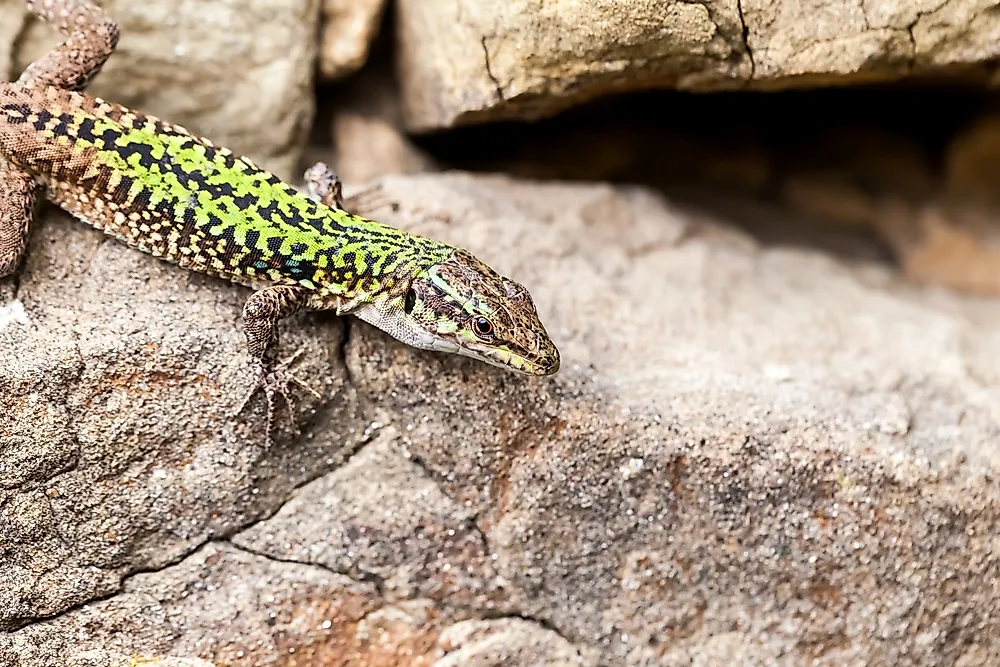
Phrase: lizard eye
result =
(482, 327)
(409, 301)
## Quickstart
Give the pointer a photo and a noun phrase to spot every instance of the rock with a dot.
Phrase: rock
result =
(755, 430)
(955, 245)
(349, 26)
(12, 20)
(236, 607)
(953, 239)
(507, 641)
(368, 130)
(247, 610)
(238, 73)
(970, 169)
(396, 527)
(117, 453)
(523, 60)
(369, 148)
(101, 658)
(750, 452)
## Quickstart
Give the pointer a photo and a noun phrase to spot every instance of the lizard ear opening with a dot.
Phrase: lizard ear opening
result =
(409, 301)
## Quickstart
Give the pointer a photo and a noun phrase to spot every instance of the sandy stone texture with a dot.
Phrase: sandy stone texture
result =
(751, 452)
(467, 61)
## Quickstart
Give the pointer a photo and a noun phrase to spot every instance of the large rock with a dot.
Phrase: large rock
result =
(12, 21)
(750, 453)
(464, 61)
(525, 60)
(240, 73)
(116, 451)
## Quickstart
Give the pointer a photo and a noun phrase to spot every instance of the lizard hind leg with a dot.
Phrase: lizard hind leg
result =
(324, 184)
(261, 316)
(17, 200)
(92, 38)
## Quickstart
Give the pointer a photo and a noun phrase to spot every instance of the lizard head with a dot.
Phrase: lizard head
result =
(463, 306)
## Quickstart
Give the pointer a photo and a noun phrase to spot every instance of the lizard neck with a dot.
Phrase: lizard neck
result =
(367, 261)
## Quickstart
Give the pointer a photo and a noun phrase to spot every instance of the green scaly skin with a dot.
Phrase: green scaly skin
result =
(164, 191)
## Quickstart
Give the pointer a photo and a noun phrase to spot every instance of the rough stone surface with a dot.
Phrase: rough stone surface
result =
(506, 642)
(348, 28)
(116, 451)
(369, 148)
(12, 21)
(240, 73)
(241, 609)
(525, 60)
(101, 658)
(396, 527)
(751, 453)
(234, 607)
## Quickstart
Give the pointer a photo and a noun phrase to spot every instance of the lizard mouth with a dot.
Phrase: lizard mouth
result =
(500, 357)
(541, 365)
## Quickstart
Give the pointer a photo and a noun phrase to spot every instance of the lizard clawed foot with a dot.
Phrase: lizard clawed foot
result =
(275, 379)
(369, 200)
(324, 184)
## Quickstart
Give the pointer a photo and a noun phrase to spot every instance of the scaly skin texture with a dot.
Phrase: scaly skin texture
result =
(160, 189)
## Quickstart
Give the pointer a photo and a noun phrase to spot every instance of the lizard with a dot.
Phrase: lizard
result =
(165, 191)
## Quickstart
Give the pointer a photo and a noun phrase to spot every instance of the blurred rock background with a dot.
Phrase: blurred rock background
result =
(764, 235)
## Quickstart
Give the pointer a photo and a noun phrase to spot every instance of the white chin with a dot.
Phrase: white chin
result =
(397, 329)
(442, 345)
(480, 357)
(428, 341)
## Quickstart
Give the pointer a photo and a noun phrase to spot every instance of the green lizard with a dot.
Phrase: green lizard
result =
(176, 196)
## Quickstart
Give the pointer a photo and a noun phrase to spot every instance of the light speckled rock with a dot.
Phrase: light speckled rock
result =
(240, 73)
(507, 641)
(465, 61)
(116, 451)
(12, 22)
(243, 609)
(349, 26)
(100, 658)
(750, 452)
(220, 602)
(396, 527)
(367, 129)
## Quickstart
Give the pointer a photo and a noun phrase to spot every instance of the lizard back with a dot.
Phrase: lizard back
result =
(176, 196)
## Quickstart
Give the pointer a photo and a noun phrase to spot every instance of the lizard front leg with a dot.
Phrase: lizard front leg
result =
(262, 314)
(17, 200)
(93, 36)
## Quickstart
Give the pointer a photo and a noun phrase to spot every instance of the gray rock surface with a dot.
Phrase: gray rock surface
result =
(116, 450)
(464, 61)
(240, 73)
(751, 453)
